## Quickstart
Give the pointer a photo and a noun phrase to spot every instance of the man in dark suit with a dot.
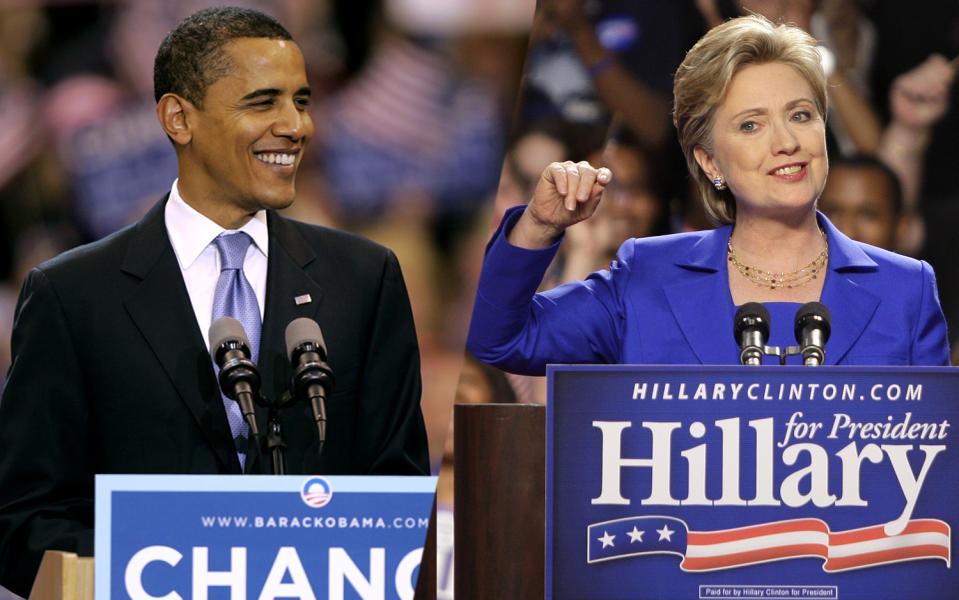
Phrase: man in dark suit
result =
(111, 370)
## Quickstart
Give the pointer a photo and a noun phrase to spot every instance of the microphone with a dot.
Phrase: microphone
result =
(813, 326)
(239, 379)
(751, 328)
(312, 376)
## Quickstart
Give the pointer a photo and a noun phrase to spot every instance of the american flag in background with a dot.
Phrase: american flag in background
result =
(768, 542)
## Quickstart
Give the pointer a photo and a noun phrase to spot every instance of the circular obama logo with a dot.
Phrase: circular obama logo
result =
(316, 492)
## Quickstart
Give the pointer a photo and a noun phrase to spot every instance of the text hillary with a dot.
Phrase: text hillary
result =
(806, 484)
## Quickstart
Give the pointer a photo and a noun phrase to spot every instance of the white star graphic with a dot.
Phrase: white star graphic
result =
(606, 539)
(635, 535)
(665, 533)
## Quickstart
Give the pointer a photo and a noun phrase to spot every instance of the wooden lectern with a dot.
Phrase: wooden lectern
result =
(500, 500)
(63, 576)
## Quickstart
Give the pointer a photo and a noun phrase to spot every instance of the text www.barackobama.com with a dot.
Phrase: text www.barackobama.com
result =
(291, 522)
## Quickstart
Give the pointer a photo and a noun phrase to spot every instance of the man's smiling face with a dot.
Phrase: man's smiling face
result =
(247, 140)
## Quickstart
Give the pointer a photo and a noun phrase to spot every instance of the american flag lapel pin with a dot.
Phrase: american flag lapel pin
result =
(303, 299)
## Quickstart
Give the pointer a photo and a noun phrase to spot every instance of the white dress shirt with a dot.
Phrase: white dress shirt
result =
(192, 235)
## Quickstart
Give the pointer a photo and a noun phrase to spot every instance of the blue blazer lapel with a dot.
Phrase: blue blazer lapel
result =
(701, 303)
(851, 304)
(700, 299)
(161, 309)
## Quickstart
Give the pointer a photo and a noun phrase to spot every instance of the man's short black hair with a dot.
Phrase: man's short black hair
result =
(191, 57)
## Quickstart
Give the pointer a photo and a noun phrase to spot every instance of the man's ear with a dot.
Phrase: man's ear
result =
(706, 162)
(172, 110)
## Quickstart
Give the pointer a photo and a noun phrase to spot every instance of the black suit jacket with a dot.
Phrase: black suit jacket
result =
(110, 375)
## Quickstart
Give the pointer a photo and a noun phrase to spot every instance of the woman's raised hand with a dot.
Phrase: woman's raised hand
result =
(566, 194)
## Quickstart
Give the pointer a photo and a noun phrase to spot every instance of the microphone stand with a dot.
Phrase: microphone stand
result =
(790, 351)
(276, 446)
(772, 351)
(273, 443)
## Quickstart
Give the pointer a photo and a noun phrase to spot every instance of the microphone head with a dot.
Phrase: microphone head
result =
(813, 314)
(301, 331)
(751, 315)
(226, 329)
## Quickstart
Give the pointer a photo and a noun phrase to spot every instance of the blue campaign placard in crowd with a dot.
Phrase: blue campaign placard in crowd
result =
(693, 483)
(264, 537)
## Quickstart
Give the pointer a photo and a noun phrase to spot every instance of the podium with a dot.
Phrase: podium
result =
(675, 482)
(500, 499)
(63, 576)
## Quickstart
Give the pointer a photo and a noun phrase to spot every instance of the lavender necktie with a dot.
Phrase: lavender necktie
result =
(234, 297)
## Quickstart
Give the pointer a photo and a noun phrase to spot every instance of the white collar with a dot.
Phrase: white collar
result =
(191, 232)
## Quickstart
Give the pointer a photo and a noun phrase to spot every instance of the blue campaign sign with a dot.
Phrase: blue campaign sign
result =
(264, 537)
(693, 483)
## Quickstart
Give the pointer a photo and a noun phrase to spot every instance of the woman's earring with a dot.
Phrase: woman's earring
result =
(719, 183)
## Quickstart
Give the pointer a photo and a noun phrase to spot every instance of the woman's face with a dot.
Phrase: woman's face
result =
(769, 142)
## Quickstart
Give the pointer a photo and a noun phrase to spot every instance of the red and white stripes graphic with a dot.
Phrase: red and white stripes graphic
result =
(842, 550)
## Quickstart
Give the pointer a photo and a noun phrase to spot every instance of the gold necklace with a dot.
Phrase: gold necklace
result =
(772, 280)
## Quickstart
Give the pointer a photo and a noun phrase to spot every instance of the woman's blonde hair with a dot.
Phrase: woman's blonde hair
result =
(704, 76)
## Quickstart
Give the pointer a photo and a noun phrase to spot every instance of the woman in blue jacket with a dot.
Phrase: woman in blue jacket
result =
(749, 110)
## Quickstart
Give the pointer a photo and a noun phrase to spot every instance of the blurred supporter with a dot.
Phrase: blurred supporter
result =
(102, 115)
(863, 199)
(918, 99)
(35, 244)
(904, 45)
(411, 123)
(411, 148)
(28, 180)
(846, 38)
(842, 28)
(595, 62)
(632, 206)
(534, 146)
(479, 383)
(589, 59)
(22, 29)
(118, 160)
